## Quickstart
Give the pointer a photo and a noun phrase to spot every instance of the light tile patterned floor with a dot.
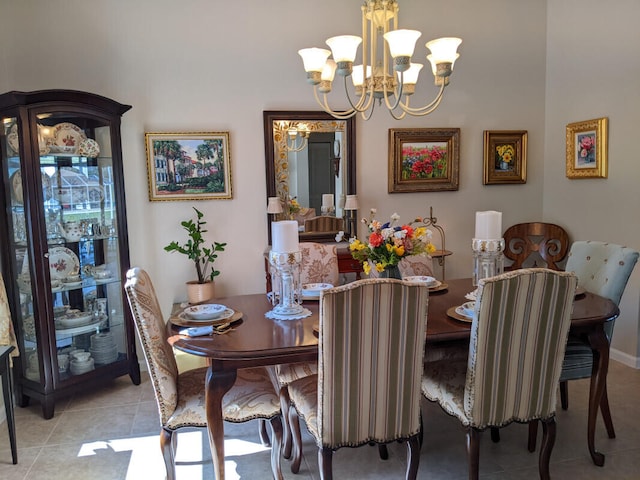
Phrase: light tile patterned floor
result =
(112, 433)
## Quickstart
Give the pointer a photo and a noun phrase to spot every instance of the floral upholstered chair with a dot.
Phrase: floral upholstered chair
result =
(518, 338)
(181, 397)
(319, 265)
(410, 266)
(604, 269)
(357, 398)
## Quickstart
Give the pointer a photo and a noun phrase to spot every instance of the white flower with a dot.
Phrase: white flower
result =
(340, 236)
(395, 217)
(374, 211)
(387, 232)
(400, 234)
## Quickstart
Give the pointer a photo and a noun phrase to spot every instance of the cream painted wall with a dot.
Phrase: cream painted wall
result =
(593, 68)
(215, 66)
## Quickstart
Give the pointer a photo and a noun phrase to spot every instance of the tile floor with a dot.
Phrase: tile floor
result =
(113, 434)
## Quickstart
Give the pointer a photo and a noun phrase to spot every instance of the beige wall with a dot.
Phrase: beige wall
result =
(215, 66)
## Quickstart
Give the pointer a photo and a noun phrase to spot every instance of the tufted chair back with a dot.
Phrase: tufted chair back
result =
(151, 329)
(319, 263)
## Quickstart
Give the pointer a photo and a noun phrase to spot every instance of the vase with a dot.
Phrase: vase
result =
(391, 272)
(200, 292)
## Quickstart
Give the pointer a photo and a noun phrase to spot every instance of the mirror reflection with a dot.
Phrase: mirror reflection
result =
(310, 165)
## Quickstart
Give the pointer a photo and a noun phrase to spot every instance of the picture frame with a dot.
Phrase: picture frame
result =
(587, 149)
(188, 166)
(505, 157)
(423, 159)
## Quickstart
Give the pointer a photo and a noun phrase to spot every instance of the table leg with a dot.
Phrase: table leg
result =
(216, 385)
(600, 347)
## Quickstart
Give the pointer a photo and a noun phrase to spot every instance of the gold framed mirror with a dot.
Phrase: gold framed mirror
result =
(310, 157)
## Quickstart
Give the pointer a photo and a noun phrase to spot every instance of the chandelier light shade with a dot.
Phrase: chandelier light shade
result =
(385, 50)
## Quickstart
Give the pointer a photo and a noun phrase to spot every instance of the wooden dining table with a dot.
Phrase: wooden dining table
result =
(258, 341)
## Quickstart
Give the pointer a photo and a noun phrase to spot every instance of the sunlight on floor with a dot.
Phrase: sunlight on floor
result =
(191, 458)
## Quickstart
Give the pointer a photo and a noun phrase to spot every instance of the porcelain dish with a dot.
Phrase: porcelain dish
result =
(63, 263)
(430, 281)
(208, 311)
(314, 289)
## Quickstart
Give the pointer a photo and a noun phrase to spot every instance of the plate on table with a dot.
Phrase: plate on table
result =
(580, 291)
(207, 311)
(457, 314)
(229, 316)
(63, 262)
(429, 281)
(311, 291)
(438, 287)
(67, 137)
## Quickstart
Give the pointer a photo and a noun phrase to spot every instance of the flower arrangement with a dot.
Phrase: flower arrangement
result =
(292, 207)
(587, 151)
(505, 154)
(388, 243)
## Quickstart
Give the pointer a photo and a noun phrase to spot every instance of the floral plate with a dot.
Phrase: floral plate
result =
(67, 137)
(63, 262)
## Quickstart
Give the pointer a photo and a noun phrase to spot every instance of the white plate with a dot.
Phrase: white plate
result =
(314, 288)
(16, 186)
(472, 295)
(62, 263)
(76, 319)
(463, 313)
(207, 311)
(430, 281)
(67, 137)
(226, 314)
(468, 308)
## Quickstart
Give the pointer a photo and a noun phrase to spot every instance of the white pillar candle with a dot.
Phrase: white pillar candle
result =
(327, 200)
(488, 225)
(284, 236)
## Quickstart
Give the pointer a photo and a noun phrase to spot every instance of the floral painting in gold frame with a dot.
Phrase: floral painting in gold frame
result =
(505, 157)
(587, 149)
(423, 159)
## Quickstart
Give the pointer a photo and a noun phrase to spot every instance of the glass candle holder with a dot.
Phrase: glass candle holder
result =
(488, 259)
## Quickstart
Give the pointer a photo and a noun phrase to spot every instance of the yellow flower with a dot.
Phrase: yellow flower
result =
(399, 251)
(366, 267)
(431, 248)
(379, 267)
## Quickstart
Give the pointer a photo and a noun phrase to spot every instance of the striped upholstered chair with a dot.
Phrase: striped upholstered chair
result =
(604, 269)
(518, 338)
(180, 396)
(343, 405)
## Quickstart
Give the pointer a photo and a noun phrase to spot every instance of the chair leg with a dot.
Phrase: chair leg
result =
(421, 432)
(606, 413)
(262, 432)
(495, 434)
(285, 404)
(413, 462)
(296, 437)
(383, 451)
(548, 440)
(276, 432)
(564, 395)
(325, 457)
(167, 446)
(533, 435)
(473, 452)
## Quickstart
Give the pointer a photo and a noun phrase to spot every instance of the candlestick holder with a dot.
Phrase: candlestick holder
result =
(327, 211)
(285, 281)
(488, 259)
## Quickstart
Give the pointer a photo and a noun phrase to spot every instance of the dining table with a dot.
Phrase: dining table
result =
(254, 340)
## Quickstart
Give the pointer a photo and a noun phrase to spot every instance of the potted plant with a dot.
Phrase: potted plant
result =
(203, 257)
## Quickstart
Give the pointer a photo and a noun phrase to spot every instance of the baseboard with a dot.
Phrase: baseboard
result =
(624, 358)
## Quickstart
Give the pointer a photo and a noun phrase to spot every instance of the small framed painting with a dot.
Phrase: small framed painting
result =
(505, 157)
(188, 166)
(423, 159)
(587, 149)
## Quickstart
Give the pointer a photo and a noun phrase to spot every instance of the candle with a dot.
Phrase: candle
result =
(488, 225)
(327, 200)
(284, 236)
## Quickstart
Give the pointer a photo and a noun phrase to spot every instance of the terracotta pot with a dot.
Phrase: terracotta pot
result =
(200, 292)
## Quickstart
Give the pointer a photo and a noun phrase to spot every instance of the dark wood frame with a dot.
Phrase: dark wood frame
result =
(398, 137)
(493, 139)
(270, 116)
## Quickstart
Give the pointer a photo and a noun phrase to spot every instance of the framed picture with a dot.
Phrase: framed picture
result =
(423, 159)
(188, 166)
(505, 157)
(587, 149)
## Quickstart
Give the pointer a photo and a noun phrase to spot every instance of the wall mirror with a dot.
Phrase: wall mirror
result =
(310, 157)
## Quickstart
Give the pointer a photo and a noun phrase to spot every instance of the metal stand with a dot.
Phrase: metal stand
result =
(441, 254)
(488, 259)
(285, 281)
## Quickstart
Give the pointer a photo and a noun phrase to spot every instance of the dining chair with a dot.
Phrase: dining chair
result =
(181, 396)
(604, 269)
(367, 390)
(319, 265)
(536, 244)
(518, 337)
(324, 224)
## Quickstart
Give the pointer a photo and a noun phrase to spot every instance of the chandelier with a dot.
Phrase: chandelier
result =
(379, 19)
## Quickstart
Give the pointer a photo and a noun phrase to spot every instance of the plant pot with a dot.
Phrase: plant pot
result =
(200, 292)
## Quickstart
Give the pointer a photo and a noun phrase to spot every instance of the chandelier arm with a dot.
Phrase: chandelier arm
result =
(420, 111)
(343, 115)
(397, 95)
(371, 107)
(360, 104)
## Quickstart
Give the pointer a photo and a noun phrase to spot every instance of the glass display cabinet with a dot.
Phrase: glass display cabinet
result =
(64, 247)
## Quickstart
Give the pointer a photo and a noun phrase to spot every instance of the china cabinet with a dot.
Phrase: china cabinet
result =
(64, 246)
